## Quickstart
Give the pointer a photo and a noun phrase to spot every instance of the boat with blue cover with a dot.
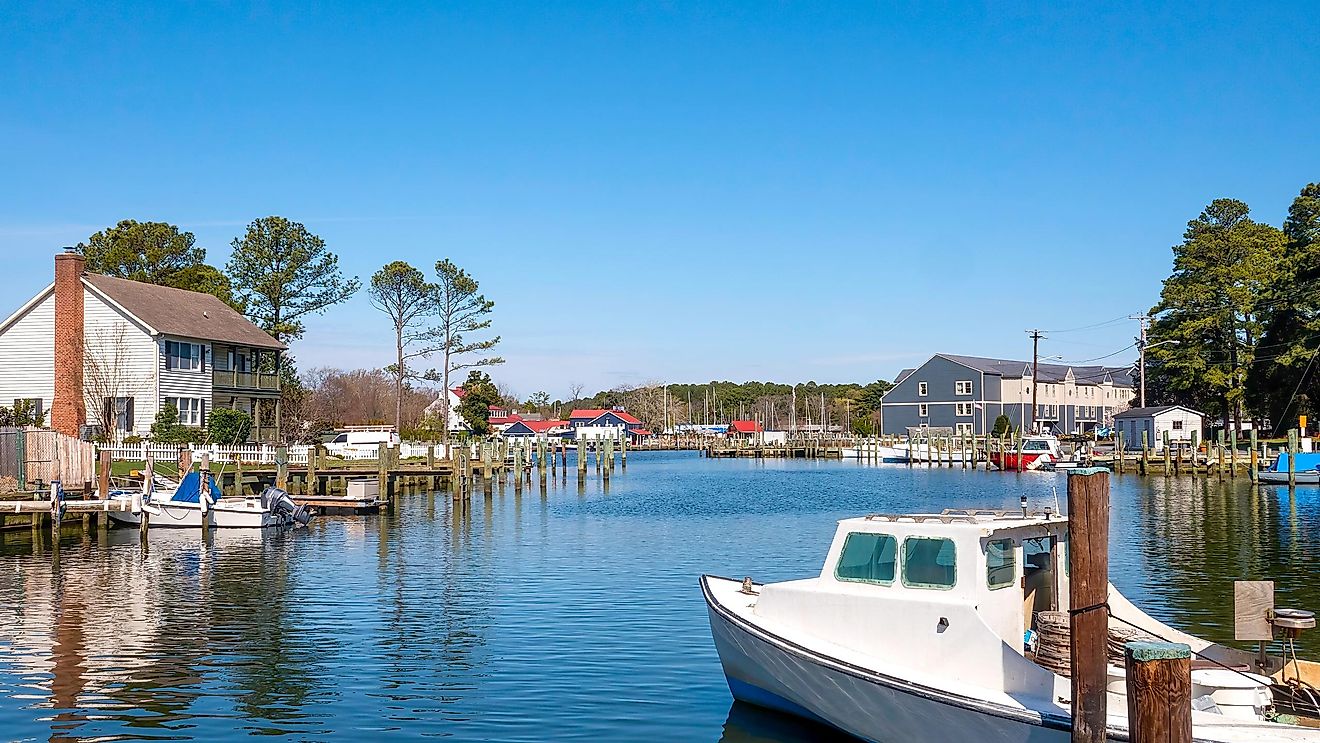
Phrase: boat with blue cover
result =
(1306, 472)
(186, 506)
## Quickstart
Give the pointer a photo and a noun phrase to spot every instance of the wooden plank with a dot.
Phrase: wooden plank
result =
(1088, 514)
(1252, 602)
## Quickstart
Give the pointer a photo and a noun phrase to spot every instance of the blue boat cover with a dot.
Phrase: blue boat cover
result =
(190, 489)
(1306, 461)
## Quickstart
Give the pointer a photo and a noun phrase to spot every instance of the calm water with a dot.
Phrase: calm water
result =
(564, 616)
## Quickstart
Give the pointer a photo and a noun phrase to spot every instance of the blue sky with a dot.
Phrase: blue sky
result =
(783, 191)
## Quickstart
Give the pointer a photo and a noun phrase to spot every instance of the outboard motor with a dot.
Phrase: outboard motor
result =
(278, 502)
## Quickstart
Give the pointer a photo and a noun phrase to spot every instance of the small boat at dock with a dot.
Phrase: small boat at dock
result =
(934, 627)
(187, 507)
(1306, 470)
(1032, 453)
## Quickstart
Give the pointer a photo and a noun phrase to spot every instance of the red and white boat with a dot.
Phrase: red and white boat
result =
(1032, 453)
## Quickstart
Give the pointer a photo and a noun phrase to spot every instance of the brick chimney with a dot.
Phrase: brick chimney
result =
(68, 412)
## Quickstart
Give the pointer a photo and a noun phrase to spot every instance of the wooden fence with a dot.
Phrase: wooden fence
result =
(35, 457)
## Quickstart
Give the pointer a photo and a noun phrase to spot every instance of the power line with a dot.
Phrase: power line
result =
(1088, 327)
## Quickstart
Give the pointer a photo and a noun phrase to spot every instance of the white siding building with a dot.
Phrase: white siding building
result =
(1178, 421)
(102, 354)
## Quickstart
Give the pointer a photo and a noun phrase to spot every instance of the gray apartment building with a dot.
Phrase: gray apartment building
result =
(967, 393)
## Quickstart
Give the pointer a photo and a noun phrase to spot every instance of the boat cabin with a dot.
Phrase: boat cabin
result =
(1008, 566)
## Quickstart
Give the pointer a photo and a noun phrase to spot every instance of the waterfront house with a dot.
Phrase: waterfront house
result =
(537, 429)
(1179, 421)
(436, 409)
(103, 355)
(967, 394)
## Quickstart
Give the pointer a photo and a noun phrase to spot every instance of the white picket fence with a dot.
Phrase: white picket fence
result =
(249, 453)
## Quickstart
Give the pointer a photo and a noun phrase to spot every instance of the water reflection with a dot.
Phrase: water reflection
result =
(568, 612)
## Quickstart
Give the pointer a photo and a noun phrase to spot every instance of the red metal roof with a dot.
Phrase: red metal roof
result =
(641, 432)
(459, 392)
(745, 427)
(507, 420)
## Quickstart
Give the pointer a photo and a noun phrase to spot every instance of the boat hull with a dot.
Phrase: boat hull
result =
(1020, 462)
(773, 672)
(173, 515)
(1272, 477)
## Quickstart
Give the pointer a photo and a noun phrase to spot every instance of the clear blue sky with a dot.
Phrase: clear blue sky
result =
(782, 191)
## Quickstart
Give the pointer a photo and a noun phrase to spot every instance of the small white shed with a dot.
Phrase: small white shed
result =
(1179, 421)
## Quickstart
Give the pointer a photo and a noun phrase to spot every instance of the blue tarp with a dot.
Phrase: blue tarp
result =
(190, 489)
(1305, 461)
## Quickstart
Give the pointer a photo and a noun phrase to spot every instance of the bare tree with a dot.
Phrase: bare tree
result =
(575, 391)
(110, 375)
(460, 311)
(402, 293)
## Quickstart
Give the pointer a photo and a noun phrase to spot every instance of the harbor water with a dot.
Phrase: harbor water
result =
(568, 614)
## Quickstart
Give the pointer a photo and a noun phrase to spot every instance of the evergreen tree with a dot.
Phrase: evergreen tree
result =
(479, 393)
(281, 273)
(154, 253)
(1285, 383)
(1212, 306)
(402, 292)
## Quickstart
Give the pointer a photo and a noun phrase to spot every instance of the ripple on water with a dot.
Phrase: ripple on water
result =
(569, 616)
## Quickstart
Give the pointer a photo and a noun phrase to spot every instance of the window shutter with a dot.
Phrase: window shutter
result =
(202, 420)
(129, 416)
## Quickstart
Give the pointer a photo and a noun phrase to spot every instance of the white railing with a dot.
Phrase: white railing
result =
(251, 453)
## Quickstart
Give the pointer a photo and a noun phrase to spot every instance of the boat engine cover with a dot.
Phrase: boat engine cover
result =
(1240, 695)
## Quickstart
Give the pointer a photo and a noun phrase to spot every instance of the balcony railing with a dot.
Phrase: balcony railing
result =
(246, 380)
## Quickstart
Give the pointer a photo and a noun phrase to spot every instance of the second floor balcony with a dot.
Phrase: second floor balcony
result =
(245, 380)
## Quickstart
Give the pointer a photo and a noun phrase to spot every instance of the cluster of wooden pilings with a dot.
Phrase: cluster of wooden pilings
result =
(792, 448)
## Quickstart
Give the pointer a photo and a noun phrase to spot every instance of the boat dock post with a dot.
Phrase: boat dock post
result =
(1254, 459)
(1088, 594)
(1167, 454)
(148, 485)
(1159, 692)
(204, 493)
(1292, 458)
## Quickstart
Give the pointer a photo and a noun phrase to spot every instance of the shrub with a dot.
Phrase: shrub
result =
(228, 427)
(1002, 427)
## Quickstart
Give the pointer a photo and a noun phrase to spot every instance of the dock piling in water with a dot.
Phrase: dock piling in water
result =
(1088, 560)
(1159, 692)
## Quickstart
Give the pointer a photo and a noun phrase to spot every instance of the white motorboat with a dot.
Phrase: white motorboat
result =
(914, 630)
(185, 507)
(921, 452)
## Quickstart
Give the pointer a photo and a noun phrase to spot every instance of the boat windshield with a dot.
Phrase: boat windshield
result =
(1035, 445)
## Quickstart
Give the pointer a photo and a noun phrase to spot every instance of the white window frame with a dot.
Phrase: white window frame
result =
(923, 410)
(194, 362)
(192, 414)
(963, 409)
(962, 387)
(964, 429)
(922, 389)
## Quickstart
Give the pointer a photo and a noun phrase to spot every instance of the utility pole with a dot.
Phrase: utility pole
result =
(1035, 336)
(1144, 320)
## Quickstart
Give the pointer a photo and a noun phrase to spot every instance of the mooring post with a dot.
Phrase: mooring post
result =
(623, 451)
(1194, 449)
(238, 476)
(1253, 460)
(1167, 453)
(1145, 452)
(310, 482)
(204, 492)
(382, 471)
(103, 473)
(1159, 692)
(1292, 457)
(1088, 596)
(1118, 450)
(1232, 452)
(148, 486)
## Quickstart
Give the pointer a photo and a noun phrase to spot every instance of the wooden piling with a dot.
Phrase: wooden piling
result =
(1167, 453)
(1118, 450)
(204, 493)
(1253, 461)
(148, 485)
(103, 472)
(1292, 457)
(1088, 559)
(1145, 452)
(1232, 453)
(1159, 692)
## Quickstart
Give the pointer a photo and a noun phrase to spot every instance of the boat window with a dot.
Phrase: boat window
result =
(1000, 563)
(1030, 445)
(929, 562)
(868, 558)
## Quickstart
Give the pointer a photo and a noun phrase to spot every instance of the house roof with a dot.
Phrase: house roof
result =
(594, 413)
(1011, 369)
(904, 374)
(745, 427)
(1153, 410)
(641, 432)
(180, 312)
(459, 392)
(543, 426)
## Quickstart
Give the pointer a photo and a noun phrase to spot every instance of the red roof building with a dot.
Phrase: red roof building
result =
(745, 428)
